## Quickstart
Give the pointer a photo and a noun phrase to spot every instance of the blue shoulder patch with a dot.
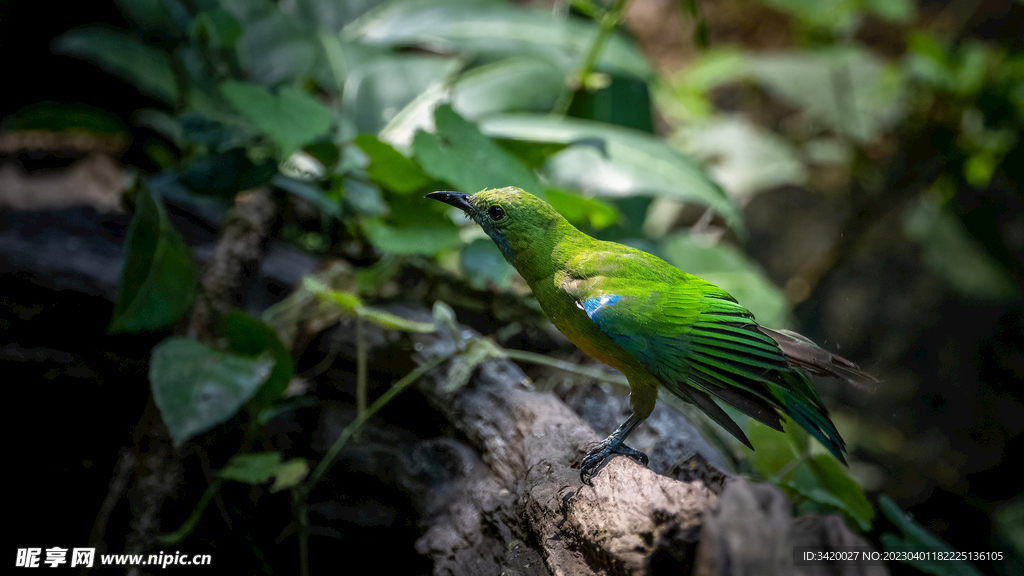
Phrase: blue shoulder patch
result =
(594, 305)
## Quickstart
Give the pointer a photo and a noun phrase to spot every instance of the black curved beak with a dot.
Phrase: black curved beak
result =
(456, 199)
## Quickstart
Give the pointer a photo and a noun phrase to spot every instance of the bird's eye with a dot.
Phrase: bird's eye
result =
(496, 213)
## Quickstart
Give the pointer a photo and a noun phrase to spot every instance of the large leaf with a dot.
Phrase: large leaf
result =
(427, 238)
(498, 30)
(225, 174)
(159, 277)
(819, 480)
(196, 387)
(380, 88)
(743, 157)
(291, 117)
(849, 90)
(822, 479)
(613, 161)
(248, 336)
(148, 68)
(389, 168)
(517, 84)
(460, 155)
(275, 47)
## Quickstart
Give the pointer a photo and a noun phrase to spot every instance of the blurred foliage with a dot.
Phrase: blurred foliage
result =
(359, 107)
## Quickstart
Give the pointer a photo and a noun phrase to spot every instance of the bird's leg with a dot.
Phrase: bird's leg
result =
(642, 402)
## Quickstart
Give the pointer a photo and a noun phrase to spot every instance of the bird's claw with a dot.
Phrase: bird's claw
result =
(599, 456)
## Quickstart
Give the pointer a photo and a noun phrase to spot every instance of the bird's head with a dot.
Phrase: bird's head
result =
(522, 225)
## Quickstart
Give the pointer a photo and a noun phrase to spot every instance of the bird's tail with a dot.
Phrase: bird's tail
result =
(801, 352)
(801, 403)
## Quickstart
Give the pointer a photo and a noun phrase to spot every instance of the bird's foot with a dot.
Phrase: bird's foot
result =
(598, 457)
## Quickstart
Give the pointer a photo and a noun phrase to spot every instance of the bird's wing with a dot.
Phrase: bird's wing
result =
(698, 341)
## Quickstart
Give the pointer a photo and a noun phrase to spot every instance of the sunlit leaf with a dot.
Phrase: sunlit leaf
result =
(517, 84)
(460, 155)
(196, 387)
(612, 161)
(742, 157)
(159, 277)
(498, 30)
(382, 87)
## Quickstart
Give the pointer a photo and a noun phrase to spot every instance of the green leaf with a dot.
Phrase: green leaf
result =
(290, 474)
(291, 117)
(216, 26)
(915, 538)
(782, 459)
(148, 68)
(583, 211)
(196, 387)
(850, 90)
(732, 271)
(483, 265)
(389, 167)
(159, 277)
(257, 468)
(460, 155)
(499, 30)
(248, 336)
(226, 174)
(742, 157)
(253, 468)
(381, 88)
(822, 479)
(773, 451)
(366, 199)
(275, 47)
(425, 239)
(517, 84)
(624, 101)
(613, 161)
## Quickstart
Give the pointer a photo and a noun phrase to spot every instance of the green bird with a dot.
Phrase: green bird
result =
(658, 325)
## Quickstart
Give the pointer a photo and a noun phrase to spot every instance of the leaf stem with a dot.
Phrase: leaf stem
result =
(360, 366)
(605, 25)
(596, 373)
(362, 417)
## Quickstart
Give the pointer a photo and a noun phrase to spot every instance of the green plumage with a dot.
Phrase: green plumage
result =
(658, 325)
